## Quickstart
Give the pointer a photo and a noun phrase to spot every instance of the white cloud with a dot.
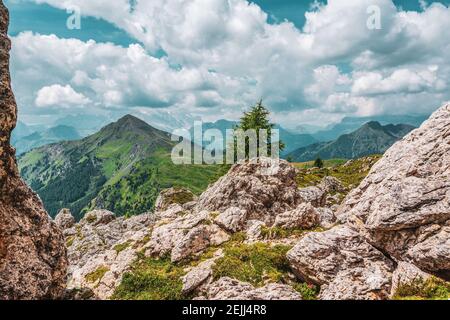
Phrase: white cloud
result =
(60, 96)
(227, 56)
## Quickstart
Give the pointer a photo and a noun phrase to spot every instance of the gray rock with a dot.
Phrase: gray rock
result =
(403, 206)
(106, 249)
(98, 217)
(343, 263)
(305, 216)
(232, 219)
(201, 274)
(231, 289)
(249, 186)
(64, 219)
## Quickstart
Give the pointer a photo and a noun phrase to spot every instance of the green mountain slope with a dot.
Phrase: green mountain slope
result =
(121, 168)
(371, 138)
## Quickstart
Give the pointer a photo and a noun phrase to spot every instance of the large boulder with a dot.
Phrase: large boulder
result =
(263, 188)
(33, 261)
(343, 263)
(185, 236)
(403, 206)
(305, 216)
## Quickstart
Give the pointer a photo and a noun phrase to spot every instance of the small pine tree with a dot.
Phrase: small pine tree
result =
(318, 163)
(258, 119)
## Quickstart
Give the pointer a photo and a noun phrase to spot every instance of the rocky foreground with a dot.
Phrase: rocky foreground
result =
(258, 236)
(32, 253)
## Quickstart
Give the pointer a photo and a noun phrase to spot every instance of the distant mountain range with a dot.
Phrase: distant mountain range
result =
(371, 138)
(121, 168)
(350, 124)
(25, 139)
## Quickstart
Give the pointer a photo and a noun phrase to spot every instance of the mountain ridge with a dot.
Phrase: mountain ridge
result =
(123, 167)
(371, 138)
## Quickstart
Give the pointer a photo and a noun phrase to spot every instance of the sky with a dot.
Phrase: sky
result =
(171, 62)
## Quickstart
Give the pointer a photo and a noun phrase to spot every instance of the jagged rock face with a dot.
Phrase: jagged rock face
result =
(403, 206)
(343, 263)
(248, 186)
(33, 259)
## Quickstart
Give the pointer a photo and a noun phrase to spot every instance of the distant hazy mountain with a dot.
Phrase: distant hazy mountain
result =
(84, 123)
(350, 124)
(292, 141)
(37, 139)
(122, 168)
(371, 138)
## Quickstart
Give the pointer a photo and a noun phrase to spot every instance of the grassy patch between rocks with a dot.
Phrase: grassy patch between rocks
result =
(430, 289)
(122, 246)
(275, 233)
(97, 274)
(350, 173)
(257, 264)
(151, 279)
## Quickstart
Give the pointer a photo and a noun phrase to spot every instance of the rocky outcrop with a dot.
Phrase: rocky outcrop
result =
(101, 248)
(231, 289)
(32, 254)
(399, 215)
(249, 186)
(403, 206)
(343, 263)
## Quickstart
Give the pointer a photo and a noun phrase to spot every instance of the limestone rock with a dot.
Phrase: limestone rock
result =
(343, 263)
(254, 230)
(263, 188)
(201, 274)
(195, 241)
(231, 289)
(232, 219)
(99, 254)
(168, 197)
(314, 195)
(403, 205)
(33, 261)
(327, 217)
(185, 236)
(98, 217)
(305, 216)
(64, 219)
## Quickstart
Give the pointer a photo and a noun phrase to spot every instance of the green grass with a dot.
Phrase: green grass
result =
(327, 163)
(350, 176)
(430, 289)
(96, 275)
(121, 247)
(255, 264)
(151, 279)
(307, 291)
(274, 233)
